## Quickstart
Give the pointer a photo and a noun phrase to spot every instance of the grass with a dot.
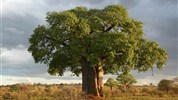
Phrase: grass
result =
(143, 98)
(74, 92)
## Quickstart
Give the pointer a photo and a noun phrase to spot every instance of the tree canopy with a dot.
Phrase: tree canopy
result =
(126, 79)
(111, 83)
(165, 85)
(107, 34)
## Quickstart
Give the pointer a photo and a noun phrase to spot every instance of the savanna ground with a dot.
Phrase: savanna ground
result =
(74, 92)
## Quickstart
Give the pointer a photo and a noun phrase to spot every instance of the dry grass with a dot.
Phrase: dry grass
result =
(139, 93)
(74, 92)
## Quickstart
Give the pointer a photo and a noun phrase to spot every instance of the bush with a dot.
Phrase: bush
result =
(7, 96)
(15, 87)
(146, 90)
(69, 92)
(165, 85)
(175, 89)
(161, 94)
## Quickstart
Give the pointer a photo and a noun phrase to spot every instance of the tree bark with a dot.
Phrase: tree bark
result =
(100, 74)
(84, 75)
(92, 79)
(89, 78)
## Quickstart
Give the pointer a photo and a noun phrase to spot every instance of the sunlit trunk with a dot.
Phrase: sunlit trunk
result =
(100, 73)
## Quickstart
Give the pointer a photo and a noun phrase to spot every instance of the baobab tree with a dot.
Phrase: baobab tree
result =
(94, 42)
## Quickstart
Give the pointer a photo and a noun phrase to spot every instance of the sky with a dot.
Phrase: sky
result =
(20, 17)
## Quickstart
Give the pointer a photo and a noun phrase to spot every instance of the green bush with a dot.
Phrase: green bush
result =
(165, 85)
(15, 87)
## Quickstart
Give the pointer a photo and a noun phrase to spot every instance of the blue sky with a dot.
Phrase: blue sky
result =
(20, 17)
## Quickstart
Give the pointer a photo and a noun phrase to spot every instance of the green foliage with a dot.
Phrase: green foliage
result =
(126, 79)
(149, 54)
(111, 82)
(15, 87)
(165, 85)
(106, 35)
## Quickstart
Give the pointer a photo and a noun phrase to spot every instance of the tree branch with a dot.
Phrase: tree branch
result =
(108, 28)
(50, 38)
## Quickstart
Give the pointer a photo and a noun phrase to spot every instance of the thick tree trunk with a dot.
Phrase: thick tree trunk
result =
(92, 79)
(89, 78)
(84, 76)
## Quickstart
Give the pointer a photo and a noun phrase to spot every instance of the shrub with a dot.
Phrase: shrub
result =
(161, 94)
(175, 89)
(69, 92)
(7, 96)
(15, 87)
(165, 85)
(146, 90)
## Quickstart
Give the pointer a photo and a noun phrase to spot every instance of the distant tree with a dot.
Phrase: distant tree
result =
(39, 84)
(111, 83)
(165, 85)
(151, 84)
(94, 42)
(126, 80)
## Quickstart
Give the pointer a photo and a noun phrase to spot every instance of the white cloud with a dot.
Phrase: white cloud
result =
(153, 79)
(37, 8)
(14, 30)
(15, 56)
(22, 7)
(7, 80)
